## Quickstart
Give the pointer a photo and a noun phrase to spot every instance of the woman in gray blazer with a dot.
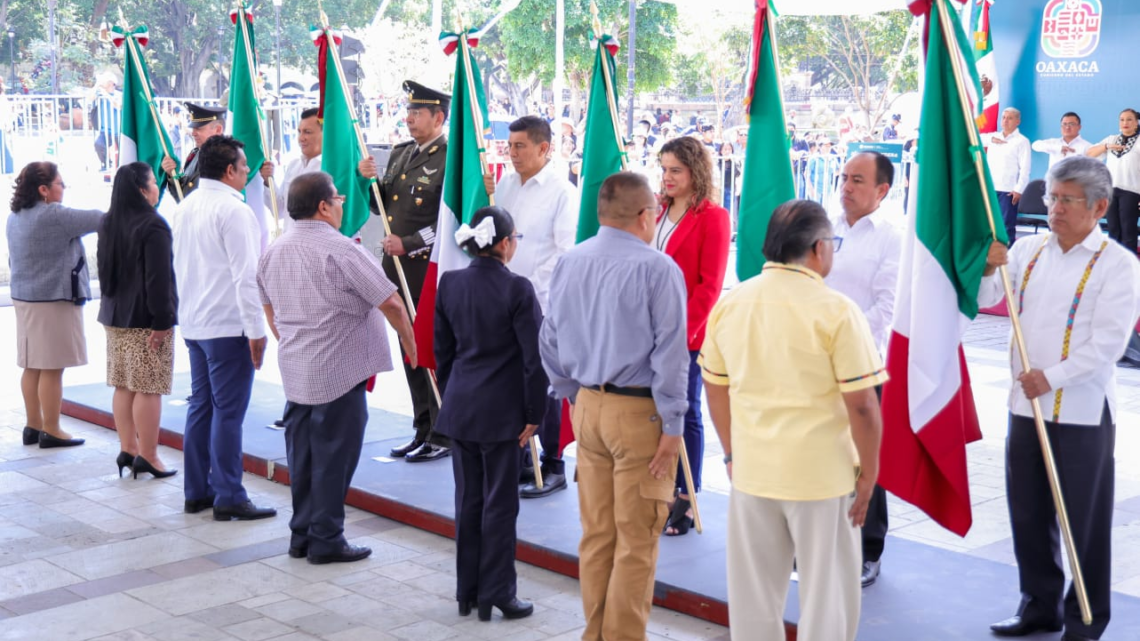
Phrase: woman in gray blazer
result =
(49, 285)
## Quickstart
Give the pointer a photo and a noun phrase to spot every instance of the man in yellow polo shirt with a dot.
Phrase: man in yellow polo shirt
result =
(790, 369)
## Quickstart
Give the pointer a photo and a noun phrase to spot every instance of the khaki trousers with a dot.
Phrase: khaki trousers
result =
(764, 536)
(623, 511)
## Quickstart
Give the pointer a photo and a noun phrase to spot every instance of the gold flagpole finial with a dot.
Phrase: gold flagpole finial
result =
(594, 19)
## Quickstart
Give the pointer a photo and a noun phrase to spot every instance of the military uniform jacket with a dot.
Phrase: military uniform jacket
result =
(189, 177)
(412, 189)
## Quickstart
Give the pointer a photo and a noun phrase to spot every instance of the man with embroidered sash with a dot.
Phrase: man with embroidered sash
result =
(412, 189)
(1079, 298)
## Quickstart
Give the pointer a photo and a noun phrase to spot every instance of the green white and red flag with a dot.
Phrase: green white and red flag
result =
(142, 139)
(246, 114)
(602, 143)
(463, 188)
(341, 147)
(987, 67)
(928, 407)
(767, 174)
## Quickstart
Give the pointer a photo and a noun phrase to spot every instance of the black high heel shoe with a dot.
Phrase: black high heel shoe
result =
(31, 435)
(513, 609)
(125, 459)
(465, 607)
(143, 465)
(48, 441)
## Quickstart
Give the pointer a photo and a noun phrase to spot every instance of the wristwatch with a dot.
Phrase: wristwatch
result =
(728, 458)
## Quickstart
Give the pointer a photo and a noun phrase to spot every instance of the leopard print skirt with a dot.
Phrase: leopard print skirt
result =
(132, 365)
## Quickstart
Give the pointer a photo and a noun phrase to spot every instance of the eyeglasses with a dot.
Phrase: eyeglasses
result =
(1067, 201)
(836, 241)
(1070, 124)
(338, 199)
(517, 236)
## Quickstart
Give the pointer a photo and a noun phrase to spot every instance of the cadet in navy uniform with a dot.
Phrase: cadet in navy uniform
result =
(205, 123)
(411, 189)
(494, 394)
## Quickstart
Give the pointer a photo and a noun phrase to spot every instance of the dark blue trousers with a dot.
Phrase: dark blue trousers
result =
(1008, 214)
(322, 445)
(221, 374)
(694, 434)
(1086, 471)
(486, 511)
(550, 435)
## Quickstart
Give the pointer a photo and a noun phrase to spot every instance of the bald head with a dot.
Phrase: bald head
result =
(626, 202)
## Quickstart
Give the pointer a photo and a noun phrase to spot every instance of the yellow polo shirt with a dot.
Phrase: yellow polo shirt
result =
(787, 346)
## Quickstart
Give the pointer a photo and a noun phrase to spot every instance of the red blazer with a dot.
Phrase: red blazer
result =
(700, 247)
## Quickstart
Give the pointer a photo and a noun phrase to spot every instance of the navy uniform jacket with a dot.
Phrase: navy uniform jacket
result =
(189, 179)
(486, 348)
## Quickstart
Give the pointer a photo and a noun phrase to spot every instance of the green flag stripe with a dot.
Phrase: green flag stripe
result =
(243, 98)
(340, 152)
(463, 189)
(601, 155)
(953, 202)
(137, 119)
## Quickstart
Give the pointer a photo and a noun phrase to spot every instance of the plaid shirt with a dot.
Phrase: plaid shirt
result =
(324, 290)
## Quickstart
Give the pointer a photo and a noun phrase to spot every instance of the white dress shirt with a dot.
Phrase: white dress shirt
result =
(295, 168)
(545, 210)
(1009, 161)
(216, 248)
(866, 268)
(1104, 321)
(1054, 147)
(1125, 170)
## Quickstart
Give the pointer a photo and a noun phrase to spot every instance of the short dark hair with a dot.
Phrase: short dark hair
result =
(884, 169)
(536, 128)
(614, 200)
(796, 226)
(1071, 114)
(33, 176)
(217, 154)
(307, 192)
(504, 226)
(310, 113)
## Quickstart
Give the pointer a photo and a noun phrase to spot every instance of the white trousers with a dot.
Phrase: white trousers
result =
(764, 537)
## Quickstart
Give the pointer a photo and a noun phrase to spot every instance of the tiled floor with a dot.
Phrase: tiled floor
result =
(87, 555)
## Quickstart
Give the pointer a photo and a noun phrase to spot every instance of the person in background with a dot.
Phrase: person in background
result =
(49, 286)
(310, 137)
(494, 396)
(1124, 166)
(138, 311)
(790, 370)
(891, 131)
(694, 231)
(1010, 159)
(106, 101)
(1069, 144)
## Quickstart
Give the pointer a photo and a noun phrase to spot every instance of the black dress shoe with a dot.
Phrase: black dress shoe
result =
(403, 450)
(1072, 636)
(31, 436)
(298, 552)
(194, 506)
(526, 475)
(125, 459)
(870, 572)
(1019, 626)
(465, 607)
(427, 452)
(551, 483)
(346, 554)
(242, 512)
(513, 609)
(49, 441)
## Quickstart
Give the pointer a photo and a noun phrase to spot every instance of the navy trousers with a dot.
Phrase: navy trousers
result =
(1086, 472)
(221, 375)
(550, 435)
(694, 434)
(486, 511)
(322, 445)
(1008, 214)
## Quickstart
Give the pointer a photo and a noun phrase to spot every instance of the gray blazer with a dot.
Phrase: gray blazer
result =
(46, 254)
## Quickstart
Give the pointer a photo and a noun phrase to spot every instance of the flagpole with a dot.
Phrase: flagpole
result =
(1019, 336)
(146, 94)
(260, 123)
(335, 55)
(686, 469)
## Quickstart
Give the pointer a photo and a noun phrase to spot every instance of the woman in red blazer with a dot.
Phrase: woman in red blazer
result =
(694, 231)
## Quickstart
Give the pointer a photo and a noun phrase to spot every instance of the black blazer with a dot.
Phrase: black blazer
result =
(144, 293)
(486, 351)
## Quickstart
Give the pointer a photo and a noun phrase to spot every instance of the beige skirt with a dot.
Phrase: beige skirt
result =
(131, 363)
(49, 335)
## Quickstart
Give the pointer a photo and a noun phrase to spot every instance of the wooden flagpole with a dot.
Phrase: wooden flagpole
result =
(260, 122)
(1019, 337)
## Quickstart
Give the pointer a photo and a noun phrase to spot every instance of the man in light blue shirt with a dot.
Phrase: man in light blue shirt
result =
(614, 343)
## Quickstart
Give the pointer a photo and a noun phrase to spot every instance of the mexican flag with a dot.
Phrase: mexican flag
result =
(341, 146)
(602, 146)
(928, 408)
(987, 67)
(142, 139)
(463, 189)
(767, 174)
(246, 116)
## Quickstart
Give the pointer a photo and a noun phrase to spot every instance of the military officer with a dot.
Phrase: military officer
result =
(411, 190)
(205, 123)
